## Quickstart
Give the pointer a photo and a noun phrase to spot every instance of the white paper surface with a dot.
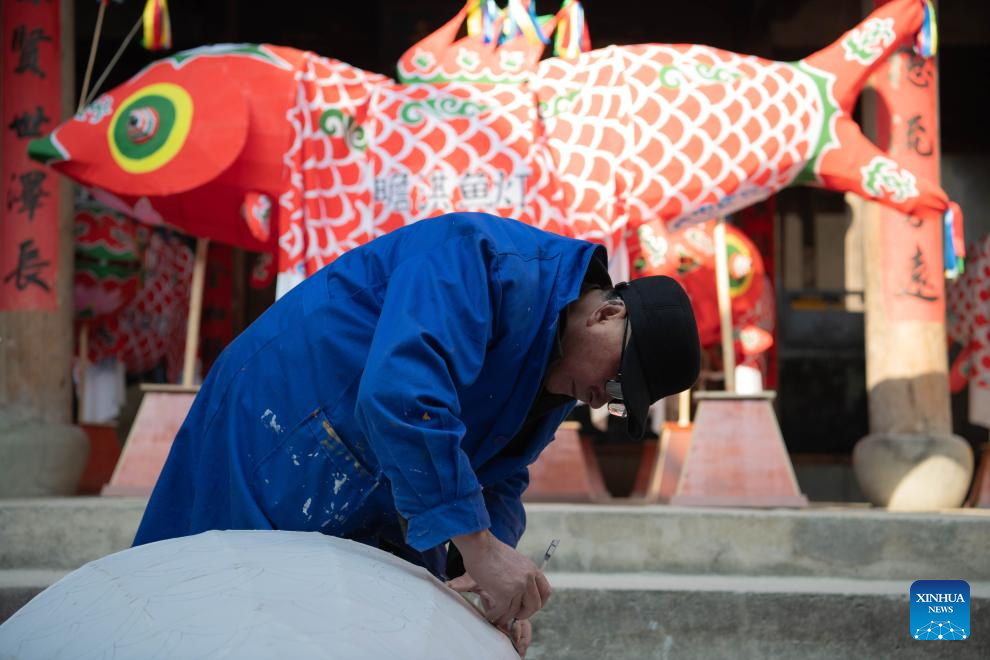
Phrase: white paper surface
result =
(251, 594)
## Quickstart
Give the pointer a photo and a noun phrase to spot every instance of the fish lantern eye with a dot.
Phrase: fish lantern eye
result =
(150, 127)
(142, 124)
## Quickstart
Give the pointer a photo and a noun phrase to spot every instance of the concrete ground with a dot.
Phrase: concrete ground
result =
(635, 581)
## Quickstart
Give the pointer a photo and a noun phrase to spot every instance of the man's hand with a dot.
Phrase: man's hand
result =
(511, 585)
(519, 631)
(466, 584)
(521, 634)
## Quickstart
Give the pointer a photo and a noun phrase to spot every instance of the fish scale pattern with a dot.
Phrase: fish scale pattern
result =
(590, 147)
(586, 136)
(321, 208)
(713, 128)
(436, 148)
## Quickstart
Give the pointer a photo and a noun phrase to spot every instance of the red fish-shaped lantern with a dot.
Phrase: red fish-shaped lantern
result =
(279, 150)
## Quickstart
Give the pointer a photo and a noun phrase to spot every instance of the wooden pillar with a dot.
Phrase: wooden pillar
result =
(910, 459)
(41, 453)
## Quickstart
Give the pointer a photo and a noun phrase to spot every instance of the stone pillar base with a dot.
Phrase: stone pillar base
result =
(913, 472)
(39, 459)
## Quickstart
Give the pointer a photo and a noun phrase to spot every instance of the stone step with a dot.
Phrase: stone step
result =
(649, 615)
(832, 542)
(674, 617)
(19, 585)
(65, 533)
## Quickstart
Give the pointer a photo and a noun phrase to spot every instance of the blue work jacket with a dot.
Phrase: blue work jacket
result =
(387, 382)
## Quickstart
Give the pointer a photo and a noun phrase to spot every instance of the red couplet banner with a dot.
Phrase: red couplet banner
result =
(908, 128)
(30, 84)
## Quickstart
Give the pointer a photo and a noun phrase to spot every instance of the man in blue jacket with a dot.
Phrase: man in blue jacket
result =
(397, 396)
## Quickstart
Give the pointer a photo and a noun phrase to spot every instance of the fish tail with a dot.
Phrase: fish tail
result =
(860, 51)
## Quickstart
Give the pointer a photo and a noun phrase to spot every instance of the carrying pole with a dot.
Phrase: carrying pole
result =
(195, 312)
(724, 306)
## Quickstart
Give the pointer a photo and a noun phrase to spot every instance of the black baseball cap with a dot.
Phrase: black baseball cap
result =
(663, 354)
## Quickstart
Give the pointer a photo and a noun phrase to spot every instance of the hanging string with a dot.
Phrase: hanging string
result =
(113, 61)
(474, 17)
(572, 32)
(92, 53)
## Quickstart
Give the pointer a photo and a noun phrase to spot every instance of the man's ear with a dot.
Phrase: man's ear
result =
(608, 309)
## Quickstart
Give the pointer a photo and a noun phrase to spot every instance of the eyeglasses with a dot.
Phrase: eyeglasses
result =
(613, 387)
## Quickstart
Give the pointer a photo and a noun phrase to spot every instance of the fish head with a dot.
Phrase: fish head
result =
(176, 125)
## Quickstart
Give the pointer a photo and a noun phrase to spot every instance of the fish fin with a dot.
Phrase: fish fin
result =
(861, 167)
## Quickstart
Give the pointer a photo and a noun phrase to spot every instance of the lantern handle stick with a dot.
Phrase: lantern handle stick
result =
(101, 12)
(113, 61)
(724, 306)
(195, 312)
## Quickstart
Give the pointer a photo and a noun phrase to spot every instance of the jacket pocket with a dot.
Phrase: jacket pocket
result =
(312, 482)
